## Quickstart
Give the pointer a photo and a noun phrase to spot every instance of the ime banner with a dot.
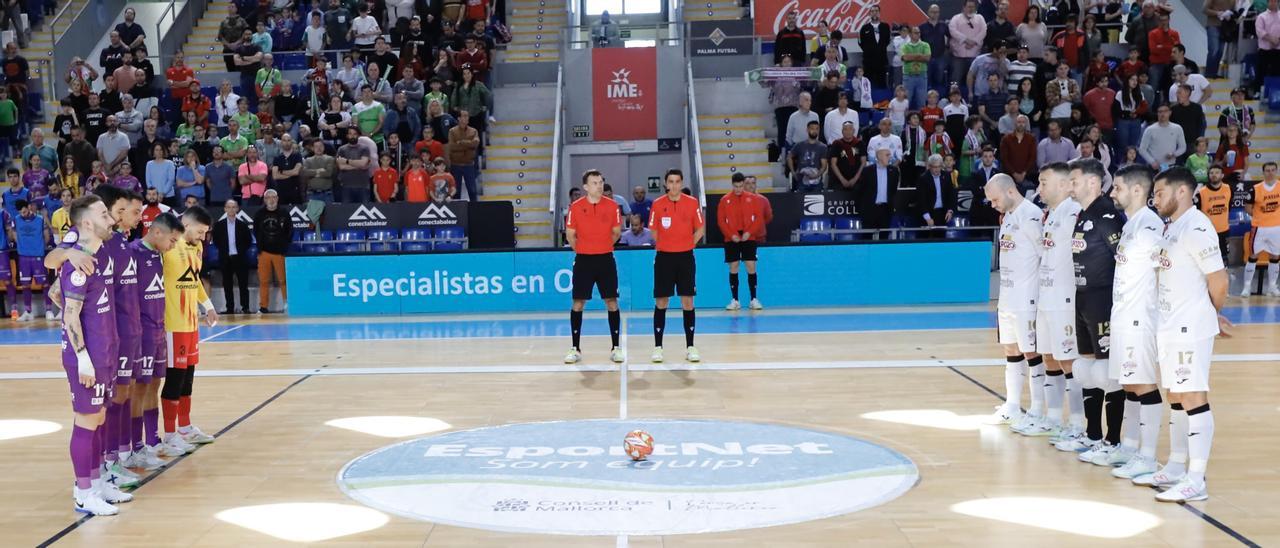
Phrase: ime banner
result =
(848, 16)
(624, 94)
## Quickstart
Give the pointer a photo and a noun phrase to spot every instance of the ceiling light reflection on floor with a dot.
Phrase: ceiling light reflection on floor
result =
(1064, 515)
(305, 521)
(933, 418)
(391, 426)
(12, 429)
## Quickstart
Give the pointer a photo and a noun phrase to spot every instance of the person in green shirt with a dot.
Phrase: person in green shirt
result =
(8, 122)
(234, 144)
(436, 94)
(915, 69)
(267, 84)
(369, 114)
(1199, 162)
(247, 121)
(186, 132)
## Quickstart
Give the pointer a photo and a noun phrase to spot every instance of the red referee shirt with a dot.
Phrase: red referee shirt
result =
(594, 224)
(674, 222)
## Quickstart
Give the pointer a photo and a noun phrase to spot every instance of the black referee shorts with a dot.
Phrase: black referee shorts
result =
(739, 251)
(597, 271)
(673, 271)
(1093, 322)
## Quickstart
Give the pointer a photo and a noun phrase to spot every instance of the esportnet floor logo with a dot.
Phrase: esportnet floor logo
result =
(573, 478)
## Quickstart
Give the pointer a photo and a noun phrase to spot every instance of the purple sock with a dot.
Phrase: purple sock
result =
(82, 455)
(135, 428)
(26, 299)
(124, 438)
(151, 421)
(111, 432)
(95, 467)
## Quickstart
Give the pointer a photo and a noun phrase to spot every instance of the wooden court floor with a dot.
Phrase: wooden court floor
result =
(274, 445)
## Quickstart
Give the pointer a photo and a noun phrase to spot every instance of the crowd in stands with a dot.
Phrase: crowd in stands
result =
(948, 103)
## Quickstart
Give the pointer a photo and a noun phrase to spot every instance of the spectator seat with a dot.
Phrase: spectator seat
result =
(349, 235)
(845, 222)
(814, 229)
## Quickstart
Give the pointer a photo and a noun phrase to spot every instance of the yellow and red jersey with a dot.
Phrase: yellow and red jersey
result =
(183, 291)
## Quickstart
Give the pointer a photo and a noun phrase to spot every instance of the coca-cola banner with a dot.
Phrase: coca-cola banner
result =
(847, 16)
(624, 93)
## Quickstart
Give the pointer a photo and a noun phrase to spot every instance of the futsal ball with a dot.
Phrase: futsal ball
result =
(638, 444)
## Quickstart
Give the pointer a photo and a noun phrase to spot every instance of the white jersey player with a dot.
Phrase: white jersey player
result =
(1192, 287)
(1133, 319)
(1019, 247)
(1055, 308)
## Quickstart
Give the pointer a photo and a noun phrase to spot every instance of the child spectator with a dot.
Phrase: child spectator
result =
(386, 180)
(416, 181)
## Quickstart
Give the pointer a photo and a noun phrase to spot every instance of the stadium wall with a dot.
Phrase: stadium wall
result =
(823, 275)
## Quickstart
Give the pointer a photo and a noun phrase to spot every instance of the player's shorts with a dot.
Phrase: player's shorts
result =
(1224, 247)
(183, 349)
(1184, 361)
(673, 274)
(31, 269)
(93, 399)
(1056, 333)
(152, 359)
(1093, 322)
(599, 271)
(130, 355)
(1135, 361)
(1266, 239)
(740, 251)
(1017, 327)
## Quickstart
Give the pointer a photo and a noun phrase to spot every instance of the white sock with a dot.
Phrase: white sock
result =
(1075, 401)
(1149, 420)
(1131, 437)
(184, 429)
(1273, 274)
(1250, 269)
(1054, 387)
(1037, 387)
(1178, 437)
(1199, 441)
(1013, 376)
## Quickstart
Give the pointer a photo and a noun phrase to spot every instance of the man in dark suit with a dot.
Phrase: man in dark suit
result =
(935, 197)
(875, 190)
(232, 238)
(874, 38)
(981, 213)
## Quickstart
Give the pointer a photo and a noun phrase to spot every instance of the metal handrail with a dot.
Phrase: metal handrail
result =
(695, 138)
(53, 23)
(556, 137)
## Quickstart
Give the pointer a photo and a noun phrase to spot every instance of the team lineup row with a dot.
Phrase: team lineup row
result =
(1096, 273)
(129, 340)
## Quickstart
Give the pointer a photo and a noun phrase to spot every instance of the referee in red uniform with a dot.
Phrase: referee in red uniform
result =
(676, 224)
(592, 225)
(741, 217)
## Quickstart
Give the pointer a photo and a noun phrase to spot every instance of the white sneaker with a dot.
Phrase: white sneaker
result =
(196, 437)
(145, 459)
(1067, 434)
(755, 304)
(1043, 428)
(87, 501)
(1004, 414)
(48, 315)
(1185, 490)
(111, 493)
(1272, 292)
(1078, 443)
(1100, 450)
(25, 317)
(691, 355)
(573, 356)
(733, 305)
(118, 469)
(1119, 456)
(617, 355)
(175, 441)
(656, 357)
(1246, 292)
(168, 450)
(1171, 474)
(1024, 423)
(111, 476)
(1137, 466)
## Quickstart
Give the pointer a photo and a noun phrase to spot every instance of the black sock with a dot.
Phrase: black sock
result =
(615, 325)
(575, 327)
(1093, 412)
(751, 284)
(1115, 415)
(659, 324)
(733, 285)
(689, 320)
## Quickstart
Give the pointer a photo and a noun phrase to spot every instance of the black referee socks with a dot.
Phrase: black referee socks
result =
(751, 284)
(575, 326)
(733, 285)
(659, 325)
(615, 324)
(689, 320)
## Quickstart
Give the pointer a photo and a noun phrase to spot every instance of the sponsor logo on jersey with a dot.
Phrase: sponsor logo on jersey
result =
(1007, 243)
(1162, 260)
(78, 278)
(1078, 244)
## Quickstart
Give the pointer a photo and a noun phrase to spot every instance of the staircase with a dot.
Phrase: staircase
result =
(202, 49)
(536, 27)
(518, 159)
(714, 10)
(734, 143)
(1264, 144)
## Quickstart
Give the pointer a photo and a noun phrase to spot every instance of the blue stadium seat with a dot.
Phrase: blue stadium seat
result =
(1239, 222)
(291, 61)
(212, 256)
(349, 235)
(382, 246)
(349, 247)
(848, 223)
(297, 247)
(415, 246)
(252, 255)
(299, 235)
(454, 232)
(384, 234)
(417, 234)
(959, 221)
(318, 236)
(881, 94)
(813, 226)
(317, 248)
(445, 245)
